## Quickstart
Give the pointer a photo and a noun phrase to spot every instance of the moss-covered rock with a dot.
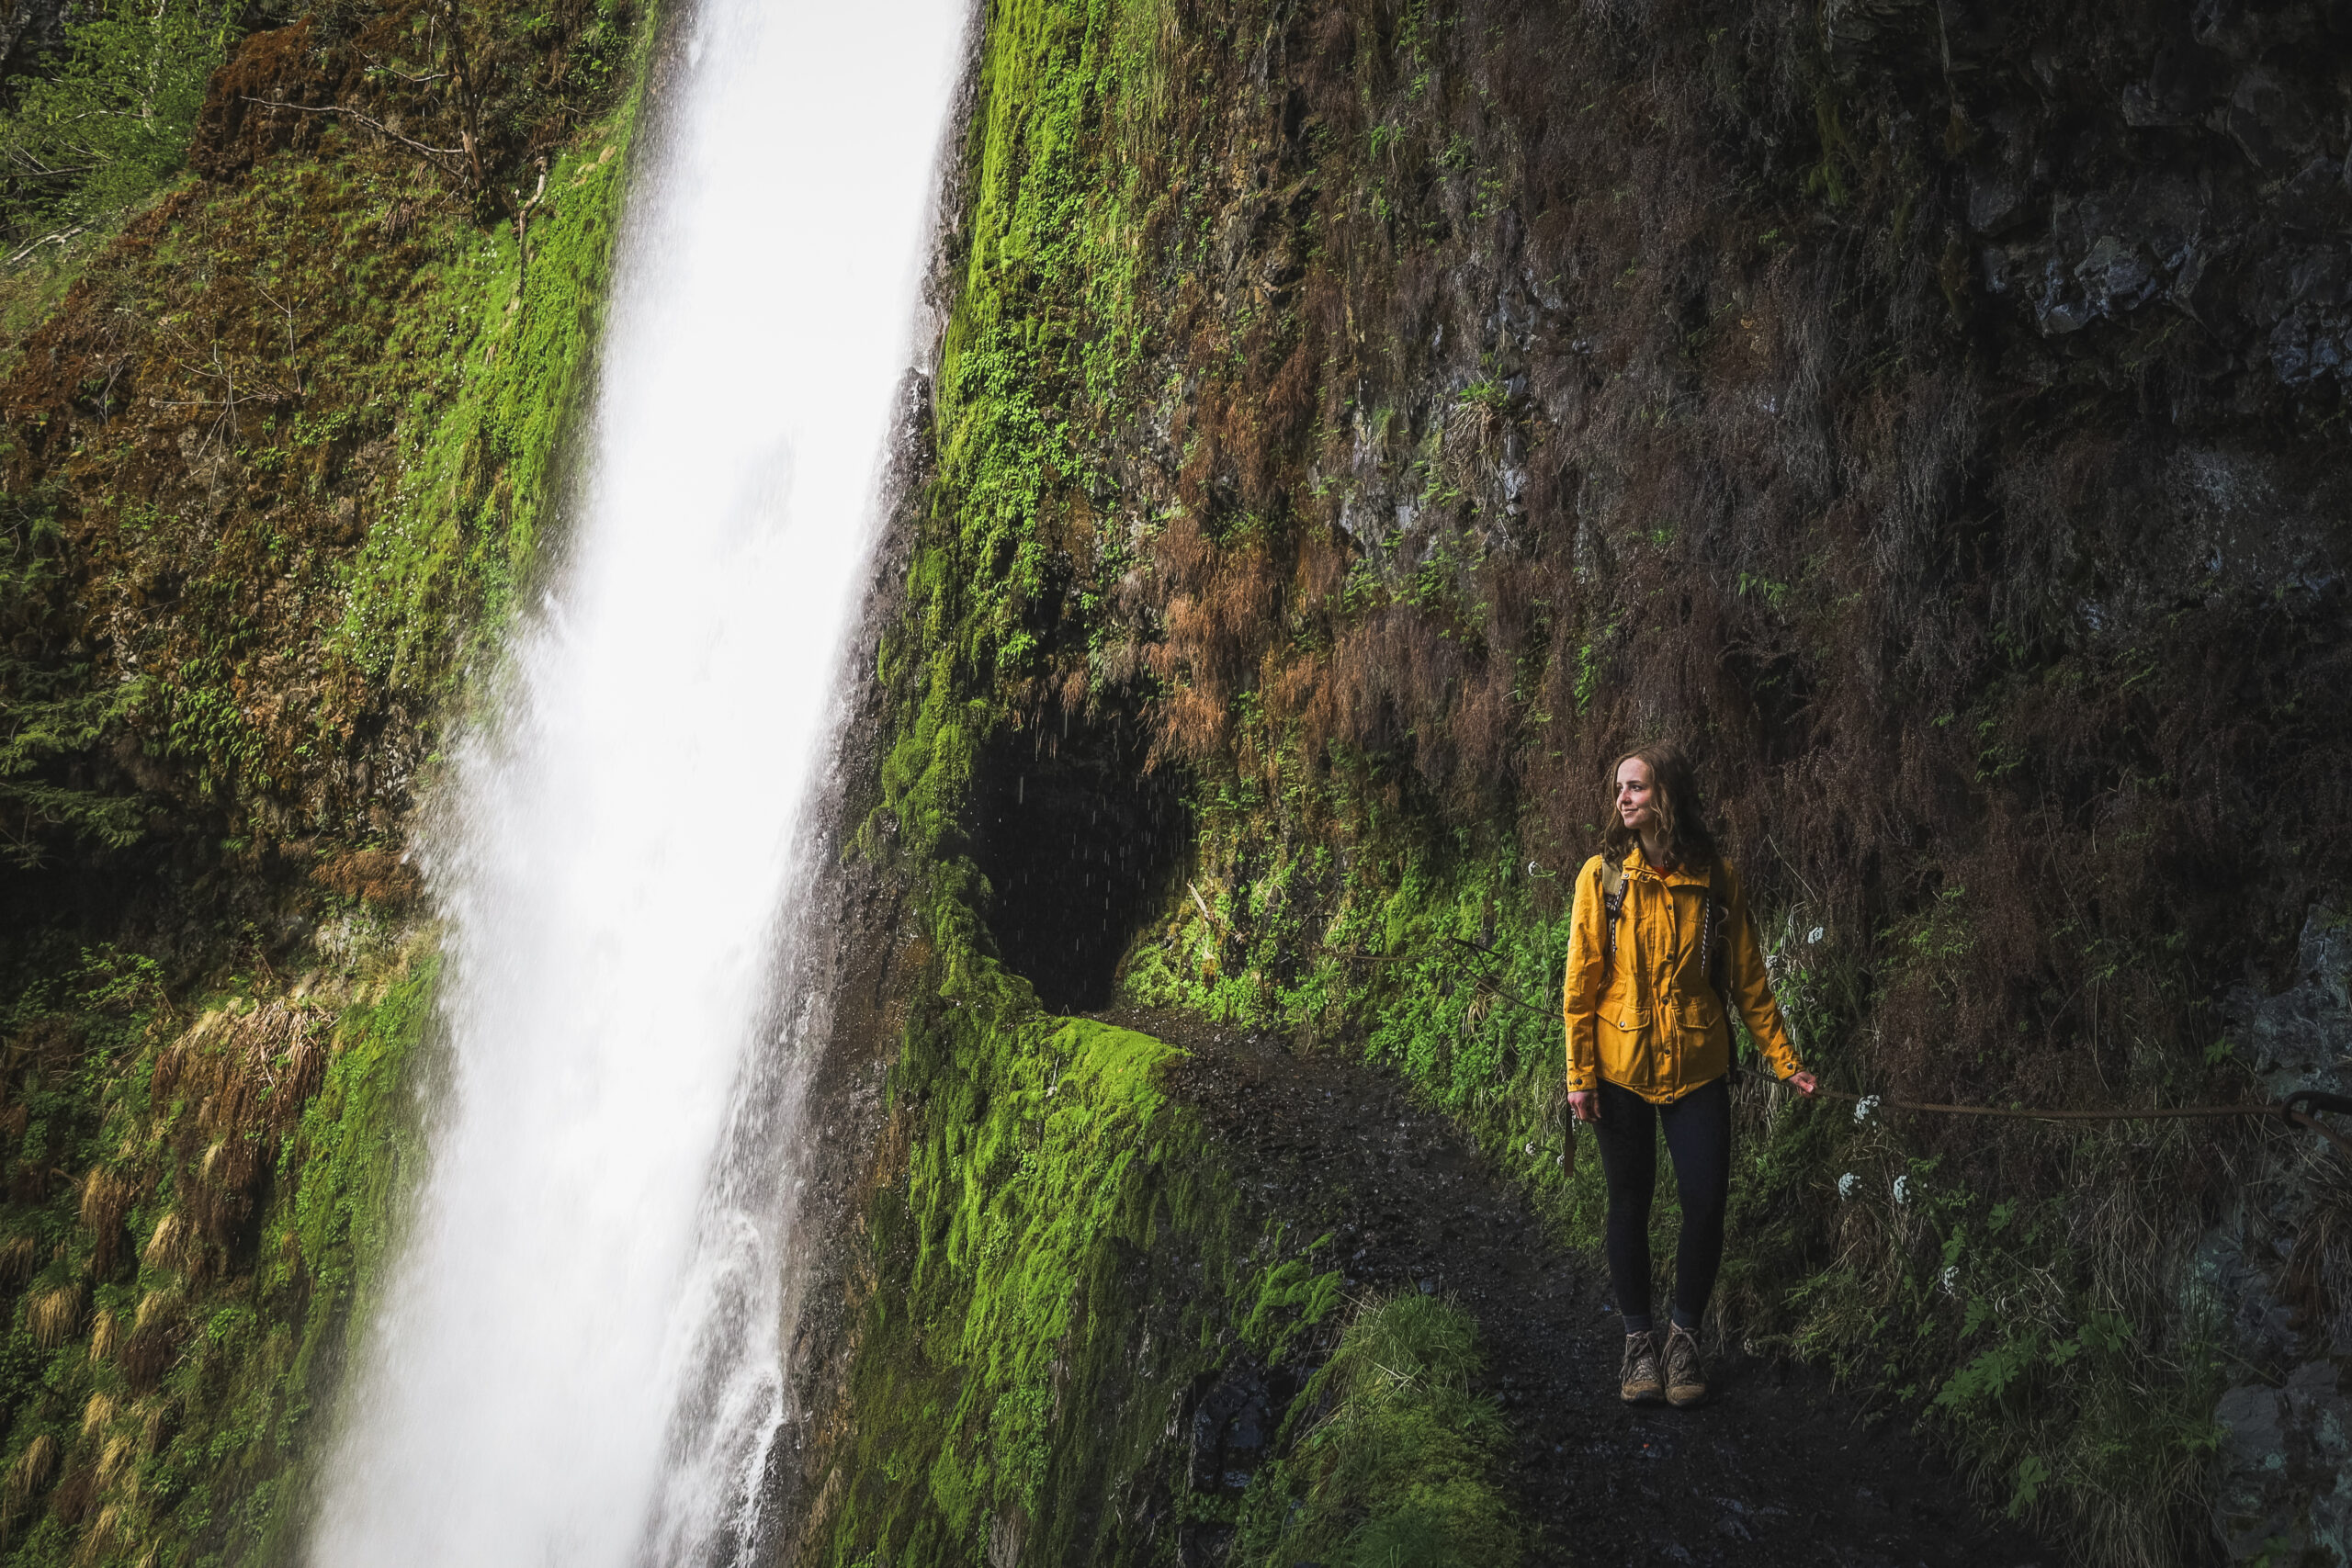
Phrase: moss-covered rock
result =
(279, 446)
(1378, 418)
(1354, 423)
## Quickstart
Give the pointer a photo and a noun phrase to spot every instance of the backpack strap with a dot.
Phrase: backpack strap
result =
(1612, 890)
(1715, 933)
(1714, 927)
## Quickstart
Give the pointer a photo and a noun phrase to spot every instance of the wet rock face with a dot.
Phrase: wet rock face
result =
(2301, 1038)
(2178, 165)
(1231, 1432)
(28, 28)
(1234, 1417)
(2286, 1454)
(1231, 1426)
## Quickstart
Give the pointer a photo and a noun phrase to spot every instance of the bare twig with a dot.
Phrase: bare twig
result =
(372, 123)
(2111, 1113)
(289, 311)
(57, 239)
(229, 415)
(469, 101)
(38, 171)
(408, 75)
(522, 219)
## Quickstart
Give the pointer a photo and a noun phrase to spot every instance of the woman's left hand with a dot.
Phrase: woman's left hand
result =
(1805, 1083)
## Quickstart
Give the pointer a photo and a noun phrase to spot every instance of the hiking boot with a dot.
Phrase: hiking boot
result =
(1686, 1383)
(1638, 1381)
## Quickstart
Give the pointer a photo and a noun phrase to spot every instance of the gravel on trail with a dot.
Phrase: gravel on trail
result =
(1778, 1467)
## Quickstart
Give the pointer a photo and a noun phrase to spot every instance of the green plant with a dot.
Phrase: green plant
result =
(110, 121)
(51, 711)
(175, 1367)
(1396, 1462)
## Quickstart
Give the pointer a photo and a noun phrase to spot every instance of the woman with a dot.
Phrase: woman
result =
(1659, 946)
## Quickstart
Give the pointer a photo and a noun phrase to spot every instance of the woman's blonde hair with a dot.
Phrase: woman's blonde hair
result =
(1674, 796)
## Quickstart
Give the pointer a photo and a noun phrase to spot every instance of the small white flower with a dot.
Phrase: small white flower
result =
(1864, 1107)
(1949, 1280)
(1531, 1147)
(1902, 1191)
(1814, 935)
(1847, 1183)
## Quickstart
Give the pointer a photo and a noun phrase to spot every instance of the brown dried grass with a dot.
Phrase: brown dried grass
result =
(116, 1460)
(1782, 500)
(171, 1247)
(229, 1089)
(105, 1531)
(249, 1068)
(106, 1195)
(52, 1314)
(377, 876)
(32, 1468)
(154, 1342)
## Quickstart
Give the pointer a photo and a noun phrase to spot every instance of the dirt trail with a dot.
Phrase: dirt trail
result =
(1778, 1468)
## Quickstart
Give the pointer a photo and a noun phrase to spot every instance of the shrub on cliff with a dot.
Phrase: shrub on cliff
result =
(111, 120)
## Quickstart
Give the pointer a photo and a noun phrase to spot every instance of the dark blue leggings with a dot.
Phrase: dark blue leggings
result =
(1697, 1134)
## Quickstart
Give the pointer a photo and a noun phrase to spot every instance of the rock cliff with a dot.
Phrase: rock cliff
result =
(1351, 423)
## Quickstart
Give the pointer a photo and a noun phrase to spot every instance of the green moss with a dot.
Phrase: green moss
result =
(993, 596)
(1065, 1255)
(1394, 1459)
(284, 450)
(214, 1292)
(509, 335)
(1432, 955)
(211, 1128)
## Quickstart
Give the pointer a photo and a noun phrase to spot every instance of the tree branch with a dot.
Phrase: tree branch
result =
(377, 126)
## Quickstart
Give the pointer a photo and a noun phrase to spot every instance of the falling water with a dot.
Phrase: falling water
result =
(578, 1358)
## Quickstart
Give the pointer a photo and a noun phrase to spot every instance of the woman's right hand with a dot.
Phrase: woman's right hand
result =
(1585, 1104)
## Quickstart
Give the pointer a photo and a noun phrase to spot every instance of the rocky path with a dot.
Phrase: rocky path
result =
(1779, 1468)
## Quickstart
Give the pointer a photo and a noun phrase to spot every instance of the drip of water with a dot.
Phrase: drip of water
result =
(579, 1357)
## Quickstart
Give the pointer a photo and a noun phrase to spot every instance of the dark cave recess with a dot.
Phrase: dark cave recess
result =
(1079, 841)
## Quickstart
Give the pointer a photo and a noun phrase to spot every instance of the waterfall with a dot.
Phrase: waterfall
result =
(577, 1357)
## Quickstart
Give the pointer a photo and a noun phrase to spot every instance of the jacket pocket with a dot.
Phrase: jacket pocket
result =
(1626, 1046)
(1698, 1015)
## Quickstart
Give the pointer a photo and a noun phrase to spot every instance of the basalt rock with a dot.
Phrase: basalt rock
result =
(2286, 1488)
(2287, 1453)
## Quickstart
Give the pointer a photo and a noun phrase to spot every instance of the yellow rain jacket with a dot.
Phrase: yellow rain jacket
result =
(1651, 1021)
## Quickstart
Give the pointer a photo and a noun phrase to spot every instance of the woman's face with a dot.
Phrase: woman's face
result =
(1633, 795)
